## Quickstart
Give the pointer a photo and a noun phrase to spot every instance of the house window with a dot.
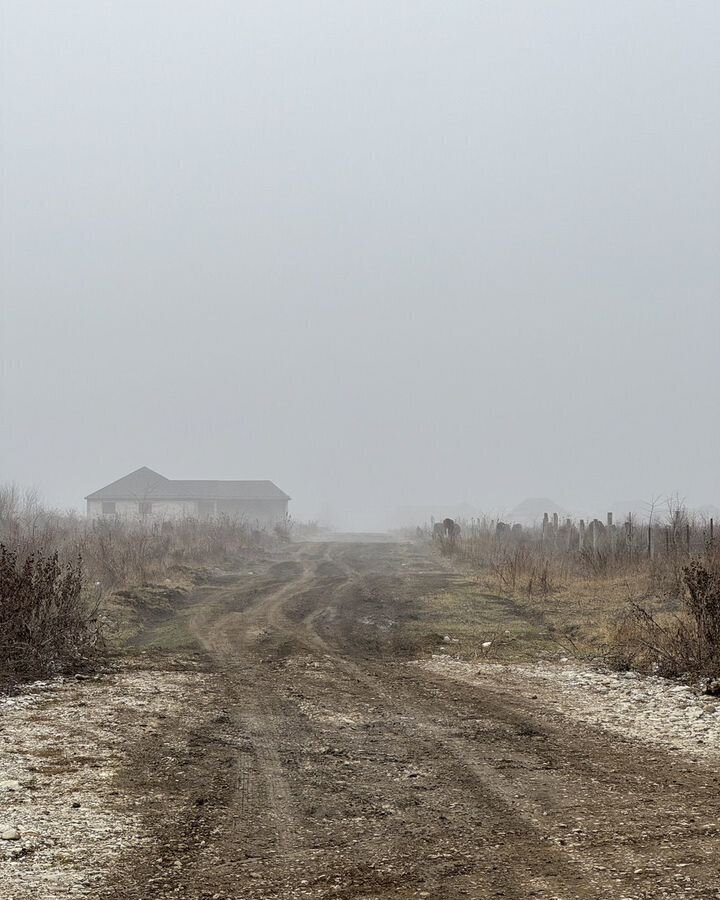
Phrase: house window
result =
(108, 507)
(145, 508)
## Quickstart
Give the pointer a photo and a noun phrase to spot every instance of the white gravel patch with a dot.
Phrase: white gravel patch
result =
(644, 708)
(61, 744)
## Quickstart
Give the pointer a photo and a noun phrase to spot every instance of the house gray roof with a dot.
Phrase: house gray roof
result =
(144, 484)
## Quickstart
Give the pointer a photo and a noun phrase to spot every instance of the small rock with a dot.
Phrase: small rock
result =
(9, 785)
(9, 833)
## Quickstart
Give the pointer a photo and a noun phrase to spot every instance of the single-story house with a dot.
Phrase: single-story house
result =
(145, 493)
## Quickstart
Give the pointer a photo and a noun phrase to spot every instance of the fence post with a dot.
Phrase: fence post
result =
(687, 536)
(650, 543)
(582, 533)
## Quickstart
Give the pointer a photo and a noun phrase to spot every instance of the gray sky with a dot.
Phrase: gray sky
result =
(383, 253)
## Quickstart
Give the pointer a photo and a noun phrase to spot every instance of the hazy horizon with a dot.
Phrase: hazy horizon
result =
(384, 255)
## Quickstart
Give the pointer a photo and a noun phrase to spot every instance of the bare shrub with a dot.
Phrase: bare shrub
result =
(509, 567)
(685, 643)
(595, 562)
(583, 575)
(283, 530)
(118, 552)
(543, 559)
(46, 622)
(541, 580)
(703, 604)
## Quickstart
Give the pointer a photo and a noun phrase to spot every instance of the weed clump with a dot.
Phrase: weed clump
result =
(47, 625)
(685, 643)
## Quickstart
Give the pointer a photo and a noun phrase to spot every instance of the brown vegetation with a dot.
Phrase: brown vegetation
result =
(118, 552)
(643, 595)
(46, 623)
(680, 643)
(55, 567)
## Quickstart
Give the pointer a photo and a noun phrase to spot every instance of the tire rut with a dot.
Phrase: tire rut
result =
(356, 775)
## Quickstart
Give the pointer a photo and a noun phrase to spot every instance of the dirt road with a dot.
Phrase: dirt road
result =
(327, 764)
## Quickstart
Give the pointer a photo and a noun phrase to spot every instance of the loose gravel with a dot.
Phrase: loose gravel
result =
(653, 710)
(63, 823)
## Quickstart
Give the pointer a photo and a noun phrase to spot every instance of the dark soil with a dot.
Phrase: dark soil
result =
(325, 766)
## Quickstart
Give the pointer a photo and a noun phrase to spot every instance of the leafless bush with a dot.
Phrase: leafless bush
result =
(46, 622)
(541, 580)
(584, 576)
(545, 559)
(283, 530)
(684, 643)
(118, 552)
(702, 602)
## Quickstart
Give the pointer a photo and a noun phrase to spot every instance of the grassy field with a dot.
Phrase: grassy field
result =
(654, 607)
(484, 624)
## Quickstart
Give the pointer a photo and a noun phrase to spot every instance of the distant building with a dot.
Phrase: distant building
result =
(145, 493)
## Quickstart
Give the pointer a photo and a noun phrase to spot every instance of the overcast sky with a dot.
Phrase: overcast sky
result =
(383, 253)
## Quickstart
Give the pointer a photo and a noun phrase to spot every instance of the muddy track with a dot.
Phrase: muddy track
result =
(337, 768)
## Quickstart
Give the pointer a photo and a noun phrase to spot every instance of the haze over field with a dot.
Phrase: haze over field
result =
(384, 254)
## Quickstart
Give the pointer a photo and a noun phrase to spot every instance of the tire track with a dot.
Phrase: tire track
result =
(358, 776)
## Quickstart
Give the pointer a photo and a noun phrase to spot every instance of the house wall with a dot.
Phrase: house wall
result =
(262, 512)
(161, 509)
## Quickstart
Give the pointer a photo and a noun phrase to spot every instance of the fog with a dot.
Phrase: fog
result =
(385, 254)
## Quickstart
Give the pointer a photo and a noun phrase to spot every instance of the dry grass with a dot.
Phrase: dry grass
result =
(57, 568)
(121, 553)
(603, 594)
(685, 642)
